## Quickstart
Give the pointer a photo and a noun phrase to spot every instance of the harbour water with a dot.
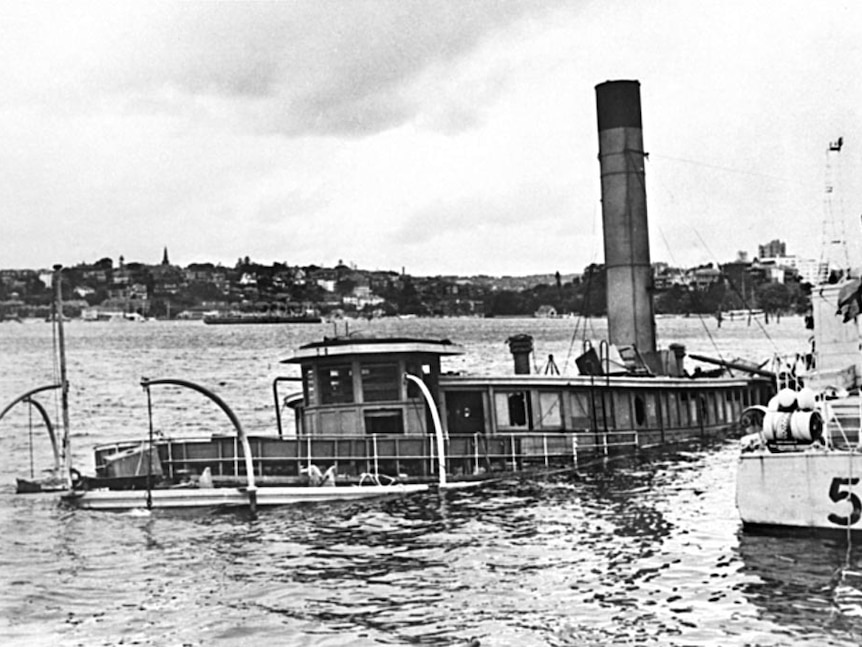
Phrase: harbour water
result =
(646, 551)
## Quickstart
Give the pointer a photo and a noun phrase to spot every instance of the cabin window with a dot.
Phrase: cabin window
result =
(384, 421)
(717, 407)
(695, 414)
(621, 409)
(380, 382)
(549, 410)
(684, 420)
(652, 414)
(672, 410)
(731, 407)
(336, 384)
(640, 411)
(465, 412)
(513, 409)
(687, 409)
(580, 408)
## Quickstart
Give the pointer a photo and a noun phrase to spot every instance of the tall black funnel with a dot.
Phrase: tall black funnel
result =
(624, 216)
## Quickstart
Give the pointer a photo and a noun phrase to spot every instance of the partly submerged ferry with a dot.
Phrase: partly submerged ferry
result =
(373, 411)
(358, 412)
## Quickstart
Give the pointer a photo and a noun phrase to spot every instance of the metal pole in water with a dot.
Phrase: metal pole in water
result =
(149, 450)
(64, 383)
(30, 429)
(251, 488)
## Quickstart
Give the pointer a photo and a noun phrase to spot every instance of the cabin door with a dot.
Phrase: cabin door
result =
(465, 412)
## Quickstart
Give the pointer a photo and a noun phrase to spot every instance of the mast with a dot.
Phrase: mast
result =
(836, 332)
(624, 216)
(64, 383)
(834, 255)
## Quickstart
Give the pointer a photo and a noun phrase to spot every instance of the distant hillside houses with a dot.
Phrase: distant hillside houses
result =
(774, 270)
(167, 290)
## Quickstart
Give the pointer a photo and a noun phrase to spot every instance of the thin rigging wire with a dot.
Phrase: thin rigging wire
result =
(709, 251)
(640, 178)
(742, 296)
(727, 169)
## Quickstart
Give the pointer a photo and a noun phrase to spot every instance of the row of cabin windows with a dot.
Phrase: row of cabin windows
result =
(622, 410)
(653, 410)
(515, 410)
(380, 383)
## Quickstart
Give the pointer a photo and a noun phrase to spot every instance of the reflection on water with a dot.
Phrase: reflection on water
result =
(645, 551)
(807, 586)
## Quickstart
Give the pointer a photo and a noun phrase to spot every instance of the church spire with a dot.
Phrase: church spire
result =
(165, 260)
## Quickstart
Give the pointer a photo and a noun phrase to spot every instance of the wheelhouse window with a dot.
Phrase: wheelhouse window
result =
(422, 371)
(336, 384)
(308, 386)
(384, 421)
(380, 382)
(513, 409)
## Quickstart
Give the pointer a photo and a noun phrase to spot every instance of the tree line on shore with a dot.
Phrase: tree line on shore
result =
(588, 297)
(392, 293)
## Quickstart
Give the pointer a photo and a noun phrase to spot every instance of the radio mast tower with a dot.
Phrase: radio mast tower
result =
(834, 255)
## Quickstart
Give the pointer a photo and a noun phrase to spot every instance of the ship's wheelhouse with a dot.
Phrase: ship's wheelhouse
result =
(356, 386)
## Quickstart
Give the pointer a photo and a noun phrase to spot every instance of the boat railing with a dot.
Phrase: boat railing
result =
(410, 458)
(842, 419)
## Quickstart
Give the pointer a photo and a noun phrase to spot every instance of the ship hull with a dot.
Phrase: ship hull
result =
(228, 497)
(817, 489)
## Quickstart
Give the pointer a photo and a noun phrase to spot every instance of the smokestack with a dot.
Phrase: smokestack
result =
(624, 216)
(521, 346)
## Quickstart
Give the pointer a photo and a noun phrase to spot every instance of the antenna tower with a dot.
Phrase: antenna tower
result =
(833, 248)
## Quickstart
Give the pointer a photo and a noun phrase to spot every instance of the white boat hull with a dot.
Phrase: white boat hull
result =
(230, 497)
(816, 489)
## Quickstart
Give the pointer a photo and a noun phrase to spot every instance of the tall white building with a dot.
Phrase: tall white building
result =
(807, 268)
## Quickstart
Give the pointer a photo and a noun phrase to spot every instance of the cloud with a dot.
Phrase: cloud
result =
(297, 68)
(531, 207)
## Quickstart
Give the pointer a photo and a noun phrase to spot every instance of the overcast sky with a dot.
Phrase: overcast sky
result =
(442, 136)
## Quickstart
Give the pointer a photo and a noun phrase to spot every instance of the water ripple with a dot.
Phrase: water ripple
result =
(646, 551)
